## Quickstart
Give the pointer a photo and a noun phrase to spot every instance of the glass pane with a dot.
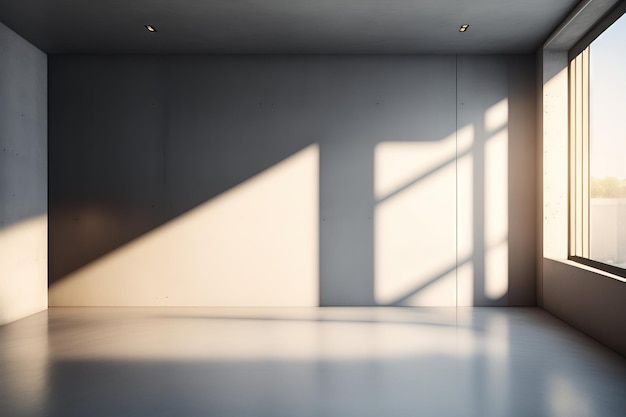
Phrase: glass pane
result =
(607, 141)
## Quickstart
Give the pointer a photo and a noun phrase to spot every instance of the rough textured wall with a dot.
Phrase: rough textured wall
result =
(23, 177)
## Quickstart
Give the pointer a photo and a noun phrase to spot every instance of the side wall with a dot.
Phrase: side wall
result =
(589, 299)
(23, 178)
(292, 180)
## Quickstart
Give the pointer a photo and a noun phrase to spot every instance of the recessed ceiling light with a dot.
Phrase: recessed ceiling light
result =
(463, 28)
(150, 28)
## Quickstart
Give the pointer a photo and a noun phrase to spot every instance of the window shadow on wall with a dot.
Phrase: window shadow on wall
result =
(283, 154)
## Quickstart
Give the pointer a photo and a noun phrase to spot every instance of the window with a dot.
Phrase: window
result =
(598, 148)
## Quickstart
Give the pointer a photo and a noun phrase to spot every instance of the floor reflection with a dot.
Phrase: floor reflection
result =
(305, 362)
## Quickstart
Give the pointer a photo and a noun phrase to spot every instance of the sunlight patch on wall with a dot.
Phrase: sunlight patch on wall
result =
(415, 226)
(465, 212)
(496, 215)
(465, 139)
(496, 271)
(253, 245)
(23, 268)
(439, 293)
(465, 223)
(465, 284)
(497, 116)
(555, 164)
(398, 164)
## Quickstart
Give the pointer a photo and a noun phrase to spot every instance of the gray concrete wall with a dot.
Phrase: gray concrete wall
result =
(23, 177)
(524, 174)
(587, 299)
(336, 175)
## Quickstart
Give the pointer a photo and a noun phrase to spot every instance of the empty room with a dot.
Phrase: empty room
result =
(312, 208)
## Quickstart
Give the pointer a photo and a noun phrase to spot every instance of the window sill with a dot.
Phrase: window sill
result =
(588, 268)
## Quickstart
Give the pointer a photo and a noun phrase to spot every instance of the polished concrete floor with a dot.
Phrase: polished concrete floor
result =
(305, 362)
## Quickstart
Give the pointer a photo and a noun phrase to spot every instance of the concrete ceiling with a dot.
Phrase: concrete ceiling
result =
(284, 26)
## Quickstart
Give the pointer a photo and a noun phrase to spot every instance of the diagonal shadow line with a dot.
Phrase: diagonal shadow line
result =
(441, 275)
(405, 297)
(423, 176)
(437, 168)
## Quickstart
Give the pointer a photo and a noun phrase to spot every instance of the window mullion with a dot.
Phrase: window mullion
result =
(584, 139)
(578, 175)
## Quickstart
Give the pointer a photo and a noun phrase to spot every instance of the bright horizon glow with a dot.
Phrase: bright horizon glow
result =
(607, 89)
(607, 145)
